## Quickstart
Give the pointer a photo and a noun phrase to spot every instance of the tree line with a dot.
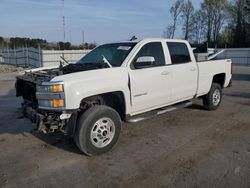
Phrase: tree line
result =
(220, 23)
(19, 42)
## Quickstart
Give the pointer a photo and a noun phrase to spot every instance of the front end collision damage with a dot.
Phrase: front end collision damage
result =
(51, 121)
(48, 119)
(47, 109)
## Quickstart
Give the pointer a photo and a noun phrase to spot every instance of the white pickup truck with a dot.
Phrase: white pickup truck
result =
(124, 81)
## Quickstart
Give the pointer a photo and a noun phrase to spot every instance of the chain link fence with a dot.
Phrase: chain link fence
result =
(21, 57)
(32, 57)
(239, 56)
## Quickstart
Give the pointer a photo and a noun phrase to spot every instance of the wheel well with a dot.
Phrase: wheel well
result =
(114, 100)
(220, 79)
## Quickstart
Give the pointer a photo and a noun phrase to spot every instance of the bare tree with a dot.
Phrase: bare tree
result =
(187, 12)
(214, 12)
(198, 32)
(236, 33)
(175, 12)
(219, 18)
(241, 23)
(207, 8)
(168, 33)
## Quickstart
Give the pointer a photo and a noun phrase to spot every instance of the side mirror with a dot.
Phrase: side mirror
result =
(144, 62)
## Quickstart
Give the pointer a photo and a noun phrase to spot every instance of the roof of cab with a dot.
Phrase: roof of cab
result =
(150, 40)
(155, 39)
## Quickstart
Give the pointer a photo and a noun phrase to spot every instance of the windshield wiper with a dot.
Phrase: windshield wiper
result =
(104, 59)
(62, 63)
(64, 60)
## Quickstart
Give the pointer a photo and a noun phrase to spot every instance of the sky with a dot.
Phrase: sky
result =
(102, 21)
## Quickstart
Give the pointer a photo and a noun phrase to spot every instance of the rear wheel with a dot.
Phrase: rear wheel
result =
(98, 130)
(212, 100)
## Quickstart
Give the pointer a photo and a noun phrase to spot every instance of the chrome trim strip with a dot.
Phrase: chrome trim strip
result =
(167, 110)
(50, 96)
(52, 83)
(50, 108)
(135, 120)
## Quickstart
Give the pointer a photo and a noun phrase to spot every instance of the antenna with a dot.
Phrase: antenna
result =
(83, 38)
(63, 19)
(63, 28)
(70, 40)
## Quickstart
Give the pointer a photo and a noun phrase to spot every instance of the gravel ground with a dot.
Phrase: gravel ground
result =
(4, 68)
(9, 72)
(190, 147)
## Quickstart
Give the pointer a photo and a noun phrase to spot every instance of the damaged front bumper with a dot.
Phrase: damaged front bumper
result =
(45, 103)
(52, 121)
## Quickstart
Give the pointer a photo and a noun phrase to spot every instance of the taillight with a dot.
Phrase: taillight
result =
(231, 67)
(230, 61)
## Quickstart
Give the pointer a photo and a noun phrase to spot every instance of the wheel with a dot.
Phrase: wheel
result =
(98, 130)
(212, 100)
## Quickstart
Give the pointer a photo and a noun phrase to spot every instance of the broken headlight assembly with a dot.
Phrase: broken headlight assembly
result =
(50, 95)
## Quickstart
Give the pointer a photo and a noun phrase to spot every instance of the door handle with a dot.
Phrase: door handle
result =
(192, 69)
(166, 73)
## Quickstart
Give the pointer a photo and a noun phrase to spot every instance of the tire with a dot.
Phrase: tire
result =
(98, 130)
(212, 100)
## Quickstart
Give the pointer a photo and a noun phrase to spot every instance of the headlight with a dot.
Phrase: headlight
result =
(50, 95)
(53, 87)
(57, 88)
(55, 103)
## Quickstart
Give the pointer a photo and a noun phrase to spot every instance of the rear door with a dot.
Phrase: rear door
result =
(185, 72)
(150, 86)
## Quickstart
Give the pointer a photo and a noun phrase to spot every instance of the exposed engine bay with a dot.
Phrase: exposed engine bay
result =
(26, 84)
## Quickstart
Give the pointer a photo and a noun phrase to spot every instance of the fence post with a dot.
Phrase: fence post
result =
(27, 55)
(8, 53)
(39, 56)
(23, 57)
(15, 55)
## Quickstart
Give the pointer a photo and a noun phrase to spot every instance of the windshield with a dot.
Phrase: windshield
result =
(113, 54)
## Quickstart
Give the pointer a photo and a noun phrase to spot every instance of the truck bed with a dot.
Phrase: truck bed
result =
(206, 71)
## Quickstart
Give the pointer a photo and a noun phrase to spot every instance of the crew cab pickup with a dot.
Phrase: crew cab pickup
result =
(123, 81)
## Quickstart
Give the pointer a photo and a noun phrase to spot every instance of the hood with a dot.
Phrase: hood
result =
(40, 75)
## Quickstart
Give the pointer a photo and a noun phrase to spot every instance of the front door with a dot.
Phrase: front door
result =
(150, 86)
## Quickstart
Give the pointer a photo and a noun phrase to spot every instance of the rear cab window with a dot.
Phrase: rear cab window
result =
(179, 52)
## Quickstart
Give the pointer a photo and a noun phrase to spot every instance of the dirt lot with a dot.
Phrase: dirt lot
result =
(190, 147)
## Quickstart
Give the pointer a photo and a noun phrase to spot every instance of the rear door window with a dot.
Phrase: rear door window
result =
(179, 52)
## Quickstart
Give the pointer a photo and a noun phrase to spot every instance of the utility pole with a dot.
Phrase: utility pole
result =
(83, 38)
(70, 39)
(63, 19)
(63, 29)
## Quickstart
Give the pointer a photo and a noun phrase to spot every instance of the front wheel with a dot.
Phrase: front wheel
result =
(212, 100)
(98, 130)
